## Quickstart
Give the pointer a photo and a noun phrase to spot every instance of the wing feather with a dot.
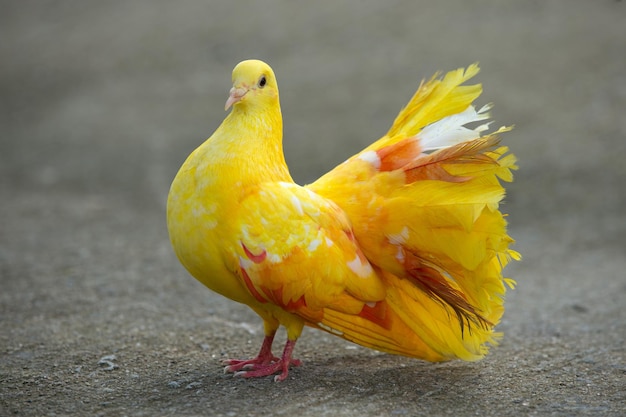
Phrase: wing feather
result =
(297, 250)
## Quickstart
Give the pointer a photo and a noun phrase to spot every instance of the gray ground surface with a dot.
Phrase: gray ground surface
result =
(102, 101)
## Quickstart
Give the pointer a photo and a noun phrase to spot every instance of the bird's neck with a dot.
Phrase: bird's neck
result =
(246, 150)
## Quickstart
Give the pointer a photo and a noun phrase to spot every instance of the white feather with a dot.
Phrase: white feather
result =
(451, 129)
(371, 157)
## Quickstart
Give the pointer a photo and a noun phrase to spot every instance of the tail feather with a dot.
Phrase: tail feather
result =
(451, 130)
(433, 166)
(433, 101)
(424, 205)
(435, 284)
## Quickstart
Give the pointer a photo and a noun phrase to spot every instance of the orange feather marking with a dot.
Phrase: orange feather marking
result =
(276, 295)
(399, 154)
(257, 259)
(377, 314)
(251, 287)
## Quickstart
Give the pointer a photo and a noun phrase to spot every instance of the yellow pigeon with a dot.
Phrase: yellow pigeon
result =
(400, 248)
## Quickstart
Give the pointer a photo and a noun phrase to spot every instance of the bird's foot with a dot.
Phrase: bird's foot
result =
(281, 366)
(265, 357)
(236, 365)
(264, 364)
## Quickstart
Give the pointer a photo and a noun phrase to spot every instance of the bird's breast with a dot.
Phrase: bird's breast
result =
(200, 228)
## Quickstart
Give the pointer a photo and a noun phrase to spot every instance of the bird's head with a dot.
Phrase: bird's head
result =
(254, 83)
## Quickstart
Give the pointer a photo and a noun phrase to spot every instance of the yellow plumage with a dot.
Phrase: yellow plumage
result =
(400, 248)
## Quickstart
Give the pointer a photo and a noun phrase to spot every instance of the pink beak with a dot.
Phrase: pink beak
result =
(236, 94)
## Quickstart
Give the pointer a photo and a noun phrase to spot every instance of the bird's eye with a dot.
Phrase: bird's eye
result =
(262, 81)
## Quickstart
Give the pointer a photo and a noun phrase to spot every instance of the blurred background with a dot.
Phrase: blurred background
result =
(101, 102)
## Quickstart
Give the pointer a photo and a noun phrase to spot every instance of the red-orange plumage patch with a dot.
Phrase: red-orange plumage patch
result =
(276, 296)
(399, 154)
(377, 314)
(257, 259)
(251, 287)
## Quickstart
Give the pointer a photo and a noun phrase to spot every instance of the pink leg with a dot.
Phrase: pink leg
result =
(264, 357)
(273, 366)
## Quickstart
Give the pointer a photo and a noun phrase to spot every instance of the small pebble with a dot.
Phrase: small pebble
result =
(173, 384)
(107, 362)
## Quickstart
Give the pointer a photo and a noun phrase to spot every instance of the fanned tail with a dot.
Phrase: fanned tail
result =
(424, 205)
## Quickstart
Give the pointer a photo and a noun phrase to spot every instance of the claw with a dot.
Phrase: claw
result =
(238, 367)
(280, 378)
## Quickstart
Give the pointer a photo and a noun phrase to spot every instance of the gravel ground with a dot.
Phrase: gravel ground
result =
(102, 101)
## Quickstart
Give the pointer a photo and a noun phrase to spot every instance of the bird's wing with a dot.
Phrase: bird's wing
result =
(296, 249)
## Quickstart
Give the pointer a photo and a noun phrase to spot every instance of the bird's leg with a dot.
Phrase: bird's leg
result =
(274, 366)
(264, 357)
